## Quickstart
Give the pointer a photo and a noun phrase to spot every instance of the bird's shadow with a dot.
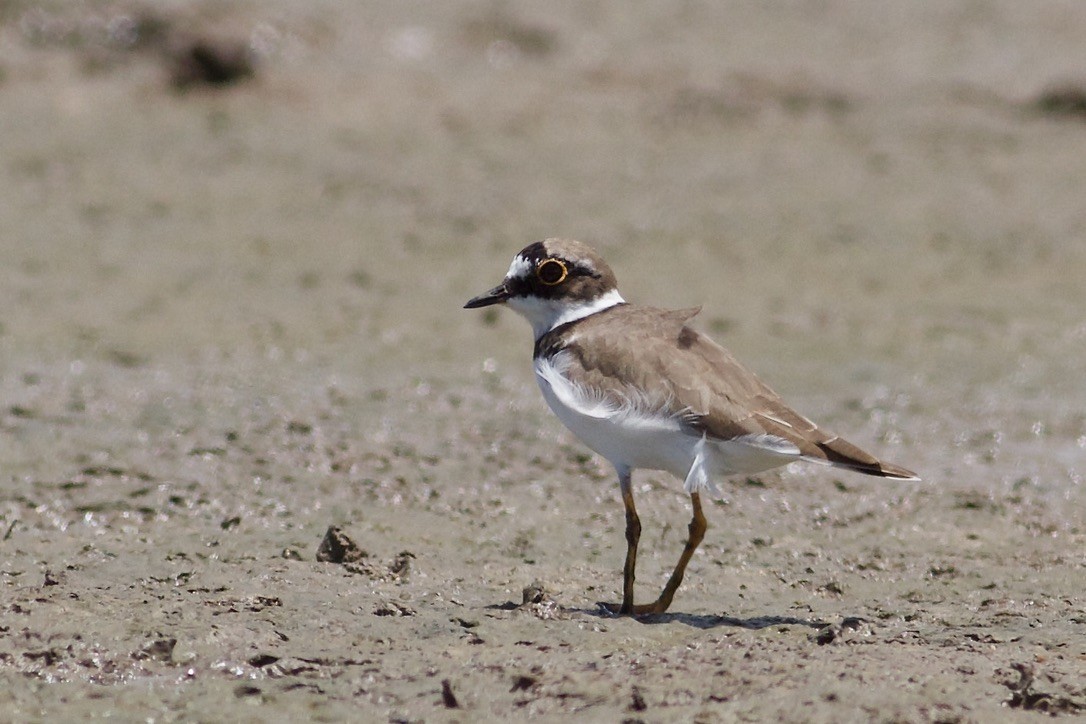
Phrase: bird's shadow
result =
(694, 620)
(707, 621)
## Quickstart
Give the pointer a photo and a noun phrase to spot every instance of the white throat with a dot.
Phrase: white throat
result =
(546, 314)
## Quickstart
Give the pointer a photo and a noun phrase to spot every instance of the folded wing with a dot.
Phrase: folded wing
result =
(696, 380)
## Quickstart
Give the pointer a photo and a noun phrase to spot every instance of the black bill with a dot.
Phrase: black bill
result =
(497, 295)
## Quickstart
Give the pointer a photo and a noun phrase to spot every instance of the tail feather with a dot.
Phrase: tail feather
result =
(841, 453)
(817, 445)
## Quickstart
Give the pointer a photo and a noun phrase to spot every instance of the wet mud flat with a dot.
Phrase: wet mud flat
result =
(231, 323)
(467, 584)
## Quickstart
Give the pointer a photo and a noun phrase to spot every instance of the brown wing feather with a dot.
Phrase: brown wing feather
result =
(697, 380)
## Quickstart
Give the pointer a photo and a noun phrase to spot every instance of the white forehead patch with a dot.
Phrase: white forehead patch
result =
(521, 268)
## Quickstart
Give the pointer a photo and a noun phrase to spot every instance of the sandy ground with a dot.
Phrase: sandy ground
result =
(230, 319)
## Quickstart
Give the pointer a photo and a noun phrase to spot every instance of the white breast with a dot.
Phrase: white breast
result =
(628, 434)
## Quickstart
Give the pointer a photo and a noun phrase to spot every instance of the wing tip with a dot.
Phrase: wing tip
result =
(878, 470)
(896, 472)
(843, 454)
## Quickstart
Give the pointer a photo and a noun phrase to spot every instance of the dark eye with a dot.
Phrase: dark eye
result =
(551, 272)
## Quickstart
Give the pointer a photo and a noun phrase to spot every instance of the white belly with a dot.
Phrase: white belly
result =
(627, 439)
(634, 436)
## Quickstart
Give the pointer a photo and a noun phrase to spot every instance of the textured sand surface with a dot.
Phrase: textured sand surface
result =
(230, 319)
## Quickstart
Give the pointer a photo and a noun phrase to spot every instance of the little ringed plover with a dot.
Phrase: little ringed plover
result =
(644, 390)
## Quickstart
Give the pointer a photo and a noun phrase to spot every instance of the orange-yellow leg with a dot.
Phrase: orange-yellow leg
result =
(633, 535)
(696, 532)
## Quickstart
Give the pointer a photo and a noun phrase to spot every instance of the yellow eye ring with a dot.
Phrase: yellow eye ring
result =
(551, 272)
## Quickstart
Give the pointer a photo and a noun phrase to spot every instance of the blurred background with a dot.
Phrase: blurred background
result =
(880, 209)
(866, 200)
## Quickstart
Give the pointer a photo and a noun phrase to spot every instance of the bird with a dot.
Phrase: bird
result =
(645, 390)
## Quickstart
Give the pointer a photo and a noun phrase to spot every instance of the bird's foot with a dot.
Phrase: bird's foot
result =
(640, 609)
